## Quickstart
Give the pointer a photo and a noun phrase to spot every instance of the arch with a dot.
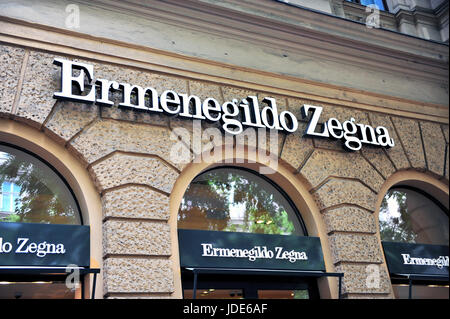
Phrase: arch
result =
(72, 171)
(291, 184)
(418, 179)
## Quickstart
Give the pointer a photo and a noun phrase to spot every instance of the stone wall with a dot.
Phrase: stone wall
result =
(128, 156)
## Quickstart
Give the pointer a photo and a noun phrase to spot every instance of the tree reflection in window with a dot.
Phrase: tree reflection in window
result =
(229, 199)
(40, 195)
(408, 216)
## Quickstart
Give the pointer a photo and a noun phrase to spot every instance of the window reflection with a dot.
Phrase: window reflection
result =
(31, 192)
(408, 216)
(379, 3)
(229, 199)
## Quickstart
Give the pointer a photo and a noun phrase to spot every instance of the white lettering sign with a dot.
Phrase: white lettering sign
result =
(233, 115)
(440, 262)
(24, 246)
(257, 252)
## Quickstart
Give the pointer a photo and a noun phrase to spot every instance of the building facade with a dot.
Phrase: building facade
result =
(143, 120)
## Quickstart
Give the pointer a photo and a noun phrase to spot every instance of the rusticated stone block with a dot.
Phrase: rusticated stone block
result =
(322, 164)
(396, 153)
(230, 93)
(364, 279)
(297, 148)
(135, 202)
(106, 136)
(377, 157)
(349, 219)
(136, 238)
(205, 90)
(69, 118)
(193, 134)
(121, 169)
(41, 80)
(409, 132)
(136, 116)
(137, 275)
(10, 64)
(355, 248)
(271, 141)
(342, 191)
(434, 144)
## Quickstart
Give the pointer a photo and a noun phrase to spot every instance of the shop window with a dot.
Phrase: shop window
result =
(381, 4)
(240, 236)
(32, 192)
(41, 230)
(410, 216)
(237, 200)
(414, 230)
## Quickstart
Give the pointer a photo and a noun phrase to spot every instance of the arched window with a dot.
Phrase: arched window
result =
(245, 217)
(237, 200)
(32, 192)
(408, 215)
(414, 231)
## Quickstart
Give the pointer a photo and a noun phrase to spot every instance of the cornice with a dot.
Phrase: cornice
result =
(311, 21)
(342, 40)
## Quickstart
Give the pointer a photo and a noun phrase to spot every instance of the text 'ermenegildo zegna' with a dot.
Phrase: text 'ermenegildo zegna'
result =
(24, 246)
(440, 262)
(257, 252)
(233, 115)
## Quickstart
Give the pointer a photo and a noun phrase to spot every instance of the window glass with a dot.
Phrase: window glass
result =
(32, 192)
(409, 216)
(231, 199)
(6, 201)
(378, 3)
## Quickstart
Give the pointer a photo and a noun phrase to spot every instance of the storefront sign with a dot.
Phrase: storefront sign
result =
(234, 115)
(27, 244)
(214, 249)
(416, 259)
